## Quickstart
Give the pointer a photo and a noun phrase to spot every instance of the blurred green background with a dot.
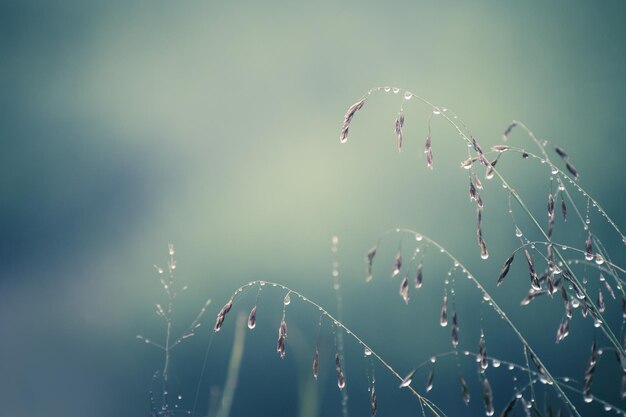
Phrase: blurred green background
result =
(214, 126)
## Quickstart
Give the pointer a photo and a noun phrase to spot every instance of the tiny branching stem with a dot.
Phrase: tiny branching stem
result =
(167, 282)
(168, 332)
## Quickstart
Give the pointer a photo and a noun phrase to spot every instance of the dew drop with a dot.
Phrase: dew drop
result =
(367, 352)
(287, 300)
(518, 232)
(408, 95)
(387, 89)
(252, 319)
(341, 383)
(436, 111)
(496, 363)
(396, 90)
(419, 238)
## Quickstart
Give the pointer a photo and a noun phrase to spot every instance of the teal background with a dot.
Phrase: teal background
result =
(214, 126)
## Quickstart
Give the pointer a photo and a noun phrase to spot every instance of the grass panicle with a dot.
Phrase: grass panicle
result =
(589, 280)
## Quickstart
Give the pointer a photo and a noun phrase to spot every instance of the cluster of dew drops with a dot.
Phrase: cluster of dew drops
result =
(408, 96)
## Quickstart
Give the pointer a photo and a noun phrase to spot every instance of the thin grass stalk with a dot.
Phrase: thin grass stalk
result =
(340, 344)
(233, 367)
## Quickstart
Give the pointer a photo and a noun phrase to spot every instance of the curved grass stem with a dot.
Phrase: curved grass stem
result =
(436, 411)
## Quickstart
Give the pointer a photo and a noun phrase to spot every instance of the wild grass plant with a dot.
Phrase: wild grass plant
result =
(560, 246)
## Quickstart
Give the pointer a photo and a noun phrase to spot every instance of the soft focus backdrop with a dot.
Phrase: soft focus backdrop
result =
(214, 126)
